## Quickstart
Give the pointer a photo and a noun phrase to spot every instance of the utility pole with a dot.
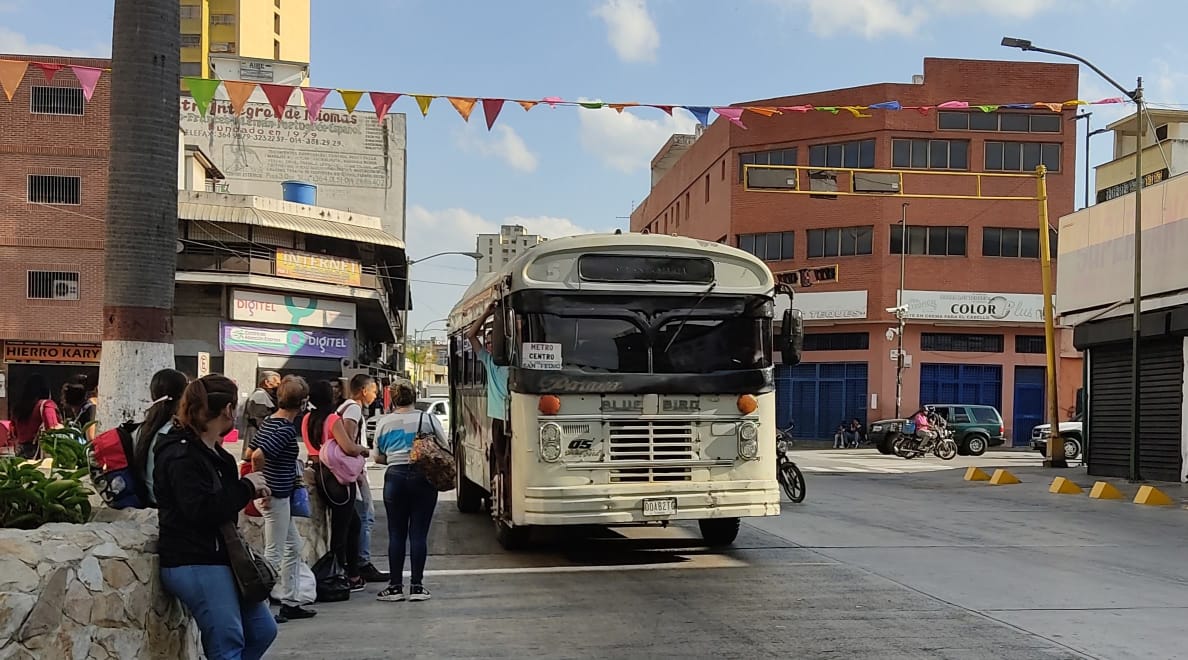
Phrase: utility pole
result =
(141, 205)
(900, 310)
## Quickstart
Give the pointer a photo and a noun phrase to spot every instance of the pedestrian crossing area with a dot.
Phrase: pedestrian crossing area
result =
(906, 468)
(869, 461)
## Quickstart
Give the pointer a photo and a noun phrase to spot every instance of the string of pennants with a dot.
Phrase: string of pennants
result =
(203, 91)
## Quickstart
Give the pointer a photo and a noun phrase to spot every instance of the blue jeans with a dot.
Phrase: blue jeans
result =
(365, 507)
(231, 630)
(410, 500)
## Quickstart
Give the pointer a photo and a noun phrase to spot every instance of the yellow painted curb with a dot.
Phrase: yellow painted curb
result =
(1104, 490)
(1062, 486)
(976, 474)
(1152, 496)
(1002, 478)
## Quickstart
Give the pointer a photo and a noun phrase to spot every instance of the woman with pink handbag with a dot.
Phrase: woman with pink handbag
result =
(340, 461)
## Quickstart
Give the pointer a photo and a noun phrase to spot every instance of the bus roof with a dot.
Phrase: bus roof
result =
(553, 265)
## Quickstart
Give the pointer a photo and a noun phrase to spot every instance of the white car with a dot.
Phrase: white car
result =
(1072, 432)
(439, 407)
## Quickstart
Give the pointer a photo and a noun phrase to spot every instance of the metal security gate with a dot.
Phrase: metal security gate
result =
(1030, 389)
(820, 396)
(976, 384)
(1162, 380)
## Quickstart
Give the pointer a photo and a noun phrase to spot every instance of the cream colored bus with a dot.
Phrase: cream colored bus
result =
(641, 386)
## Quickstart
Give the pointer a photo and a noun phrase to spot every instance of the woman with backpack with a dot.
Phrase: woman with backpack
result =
(77, 407)
(166, 388)
(32, 412)
(199, 492)
(409, 498)
(338, 462)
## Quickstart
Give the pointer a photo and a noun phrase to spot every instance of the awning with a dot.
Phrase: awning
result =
(1122, 309)
(250, 215)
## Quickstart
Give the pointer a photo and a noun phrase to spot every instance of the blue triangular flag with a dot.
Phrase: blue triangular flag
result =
(886, 105)
(701, 113)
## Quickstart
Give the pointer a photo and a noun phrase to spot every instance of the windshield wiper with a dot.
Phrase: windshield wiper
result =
(689, 314)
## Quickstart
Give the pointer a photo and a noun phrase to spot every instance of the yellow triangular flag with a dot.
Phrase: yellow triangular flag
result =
(238, 92)
(464, 106)
(350, 98)
(12, 72)
(423, 102)
(527, 105)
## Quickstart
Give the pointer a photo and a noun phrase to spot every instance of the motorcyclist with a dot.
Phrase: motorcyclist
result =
(923, 418)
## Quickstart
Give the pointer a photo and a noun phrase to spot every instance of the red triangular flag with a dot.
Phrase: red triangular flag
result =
(491, 108)
(278, 97)
(665, 108)
(87, 76)
(49, 69)
(382, 102)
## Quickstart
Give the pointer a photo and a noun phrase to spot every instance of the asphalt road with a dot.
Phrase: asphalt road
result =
(874, 564)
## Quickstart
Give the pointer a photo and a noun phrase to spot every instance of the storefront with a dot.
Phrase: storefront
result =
(56, 362)
(316, 354)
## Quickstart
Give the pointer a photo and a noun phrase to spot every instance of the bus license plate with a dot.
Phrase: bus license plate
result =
(665, 506)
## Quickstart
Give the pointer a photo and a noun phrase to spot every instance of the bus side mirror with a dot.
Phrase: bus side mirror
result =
(792, 337)
(499, 337)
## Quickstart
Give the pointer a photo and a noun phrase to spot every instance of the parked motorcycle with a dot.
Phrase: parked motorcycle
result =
(940, 442)
(789, 476)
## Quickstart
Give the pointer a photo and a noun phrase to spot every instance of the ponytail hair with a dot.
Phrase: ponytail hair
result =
(204, 399)
(166, 388)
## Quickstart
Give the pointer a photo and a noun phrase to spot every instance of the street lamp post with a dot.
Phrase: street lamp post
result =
(1088, 135)
(1135, 95)
(900, 310)
(408, 295)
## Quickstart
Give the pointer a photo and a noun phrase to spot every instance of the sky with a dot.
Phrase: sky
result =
(565, 170)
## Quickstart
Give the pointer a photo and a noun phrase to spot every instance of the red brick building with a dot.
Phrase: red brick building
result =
(53, 201)
(974, 332)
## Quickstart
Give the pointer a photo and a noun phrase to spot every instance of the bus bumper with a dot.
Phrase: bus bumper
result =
(623, 504)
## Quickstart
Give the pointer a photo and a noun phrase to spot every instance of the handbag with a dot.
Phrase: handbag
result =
(299, 503)
(433, 460)
(332, 583)
(254, 575)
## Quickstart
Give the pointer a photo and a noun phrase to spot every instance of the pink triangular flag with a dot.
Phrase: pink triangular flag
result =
(48, 69)
(952, 105)
(553, 100)
(734, 115)
(491, 108)
(382, 102)
(88, 77)
(278, 97)
(314, 98)
(1112, 99)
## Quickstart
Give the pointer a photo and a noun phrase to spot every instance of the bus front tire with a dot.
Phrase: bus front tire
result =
(512, 538)
(719, 532)
(467, 494)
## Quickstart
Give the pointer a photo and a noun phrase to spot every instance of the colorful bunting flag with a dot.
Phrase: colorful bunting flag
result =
(856, 110)
(527, 105)
(491, 108)
(701, 113)
(48, 69)
(733, 115)
(278, 97)
(763, 111)
(666, 108)
(238, 92)
(592, 105)
(886, 105)
(382, 102)
(953, 105)
(464, 106)
(88, 77)
(553, 100)
(618, 107)
(11, 74)
(202, 90)
(350, 99)
(423, 102)
(1054, 107)
(315, 98)
(987, 108)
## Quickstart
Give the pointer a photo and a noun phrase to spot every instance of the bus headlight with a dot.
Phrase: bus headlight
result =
(748, 441)
(550, 443)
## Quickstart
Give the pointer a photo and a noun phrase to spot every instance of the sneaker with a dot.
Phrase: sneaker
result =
(357, 584)
(417, 592)
(370, 573)
(280, 618)
(393, 593)
(297, 612)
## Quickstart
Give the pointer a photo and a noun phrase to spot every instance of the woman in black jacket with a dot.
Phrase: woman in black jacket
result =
(198, 490)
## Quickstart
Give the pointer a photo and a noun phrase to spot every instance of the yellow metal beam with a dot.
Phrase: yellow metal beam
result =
(1056, 456)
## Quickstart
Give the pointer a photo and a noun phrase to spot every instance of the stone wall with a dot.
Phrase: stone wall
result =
(79, 592)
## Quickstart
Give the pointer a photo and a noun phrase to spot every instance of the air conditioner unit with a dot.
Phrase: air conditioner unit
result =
(65, 290)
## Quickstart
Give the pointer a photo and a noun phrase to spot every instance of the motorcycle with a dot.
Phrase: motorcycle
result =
(940, 443)
(789, 476)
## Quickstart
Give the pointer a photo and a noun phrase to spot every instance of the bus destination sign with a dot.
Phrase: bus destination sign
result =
(635, 268)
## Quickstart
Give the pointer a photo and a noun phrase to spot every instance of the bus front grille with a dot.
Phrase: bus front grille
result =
(655, 442)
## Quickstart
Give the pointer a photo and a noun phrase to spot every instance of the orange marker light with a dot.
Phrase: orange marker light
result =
(549, 405)
(747, 404)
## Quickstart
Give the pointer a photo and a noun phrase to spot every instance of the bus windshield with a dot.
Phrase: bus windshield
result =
(617, 336)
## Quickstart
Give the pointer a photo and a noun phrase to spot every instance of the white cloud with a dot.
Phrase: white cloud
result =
(503, 142)
(17, 43)
(876, 18)
(627, 141)
(630, 29)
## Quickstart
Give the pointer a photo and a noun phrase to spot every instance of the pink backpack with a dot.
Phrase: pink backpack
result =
(346, 469)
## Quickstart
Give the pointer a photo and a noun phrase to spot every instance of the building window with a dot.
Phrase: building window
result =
(773, 246)
(193, 69)
(50, 189)
(190, 12)
(1007, 242)
(840, 242)
(935, 241)
(222, 19)
(276, 50)
(773, 157)
(1030, 344)
(53, 285)
(222, 47)
(1161, 133)
(999, 122)
(930, 154)
(1022, 156)
(837, 341)
(852, 155)
(191, 41)
(960, 343)
(707, 189)
(57, 101)
(687, 206)
(276, 23)
(722, 165)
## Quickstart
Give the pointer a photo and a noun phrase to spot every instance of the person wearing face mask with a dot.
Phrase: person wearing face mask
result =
(198, 489)
(259, 407)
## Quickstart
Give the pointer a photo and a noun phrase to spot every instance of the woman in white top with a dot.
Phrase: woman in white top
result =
(409, 498)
